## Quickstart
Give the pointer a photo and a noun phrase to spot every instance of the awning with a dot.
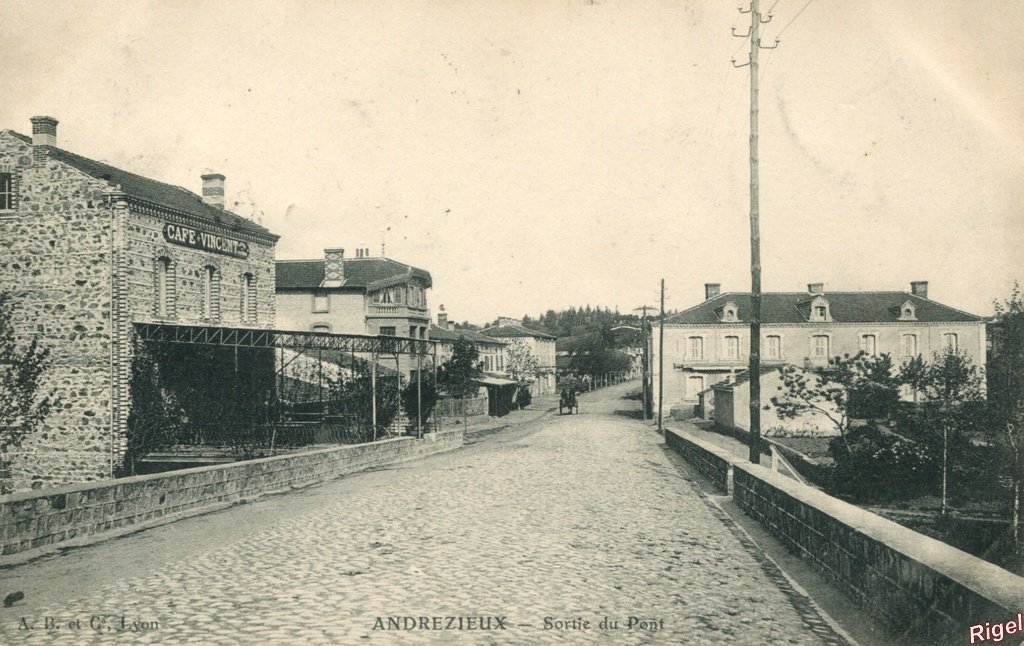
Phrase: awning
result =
(496, 381)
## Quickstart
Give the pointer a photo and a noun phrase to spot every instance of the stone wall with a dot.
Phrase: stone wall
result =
(32, 520)
(712, 462)
(55, 250)
(925, 590)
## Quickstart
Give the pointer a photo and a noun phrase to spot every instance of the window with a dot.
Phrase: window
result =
(696, 347)
(819, 346)
(820, 311)
(6, 191)
(321, 327)
(950, 341)
(387, 330)
(248, 313)
(211, 293)
(732, 347)
(773, 347)
(908, 345)
(399, 294)
(869, 344)
(164, 287)
(321, 301)
(908, 312)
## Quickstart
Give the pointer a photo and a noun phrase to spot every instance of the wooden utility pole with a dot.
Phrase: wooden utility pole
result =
(661, 356)
(645, 377)
(755, 235)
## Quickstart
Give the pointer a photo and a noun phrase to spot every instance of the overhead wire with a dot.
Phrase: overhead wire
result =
(794, 18)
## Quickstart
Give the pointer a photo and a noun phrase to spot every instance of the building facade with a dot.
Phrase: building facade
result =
(542, 346)
(491, 351)
(88, 250)
(360, 295)
(710, 343)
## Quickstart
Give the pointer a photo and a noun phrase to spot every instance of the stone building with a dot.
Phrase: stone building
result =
(360, 295)
(710, 342)
(491, 351)
(88, 251)
(542, 346)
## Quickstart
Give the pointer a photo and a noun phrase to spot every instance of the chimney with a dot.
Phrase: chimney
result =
(213, 190)
(919, 288)
(442, 318)
(44, 137)
(815, 288)
(334, 267)
(711, 290)
(507, 320)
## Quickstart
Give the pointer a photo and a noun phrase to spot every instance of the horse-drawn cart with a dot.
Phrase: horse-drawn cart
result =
(567, 401)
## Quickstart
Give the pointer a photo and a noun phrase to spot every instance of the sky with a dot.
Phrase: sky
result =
(552, 153)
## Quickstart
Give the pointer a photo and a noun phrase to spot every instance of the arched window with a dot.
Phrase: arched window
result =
(211, 293)
(950, 341)
(164, 306)
(6, 191)
(248, 313)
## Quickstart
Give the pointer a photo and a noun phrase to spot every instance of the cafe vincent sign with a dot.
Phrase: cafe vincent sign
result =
(196, 239)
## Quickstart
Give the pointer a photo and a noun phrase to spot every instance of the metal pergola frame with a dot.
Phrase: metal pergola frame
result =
(233, 337)
(294, 340)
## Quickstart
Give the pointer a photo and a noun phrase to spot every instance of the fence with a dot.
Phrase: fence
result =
(456, 407)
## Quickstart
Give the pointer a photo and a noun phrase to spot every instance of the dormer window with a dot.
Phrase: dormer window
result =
(820, 310)
(729, 312)
(908, 312)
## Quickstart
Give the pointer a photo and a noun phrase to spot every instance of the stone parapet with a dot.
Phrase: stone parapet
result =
(32, 520)
(711, 461)
(925, 590)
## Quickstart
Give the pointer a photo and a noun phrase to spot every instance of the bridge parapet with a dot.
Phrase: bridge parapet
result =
(925, 590)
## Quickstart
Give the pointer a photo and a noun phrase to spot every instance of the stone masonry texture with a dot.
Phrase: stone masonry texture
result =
(80, 262)
(572, 519)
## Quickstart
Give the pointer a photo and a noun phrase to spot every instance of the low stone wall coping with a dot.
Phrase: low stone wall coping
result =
(31, 521)
(978, 575)
(708, 446)
(130, 480)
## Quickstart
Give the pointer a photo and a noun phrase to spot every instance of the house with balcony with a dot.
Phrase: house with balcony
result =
(709, 343)
(360, 295)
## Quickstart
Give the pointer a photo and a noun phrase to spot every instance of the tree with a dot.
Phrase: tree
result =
(22, 409)
(522, 363)
(861, 386)
(949, 383)
(1006, 403)
(594, 355)
(457, 376)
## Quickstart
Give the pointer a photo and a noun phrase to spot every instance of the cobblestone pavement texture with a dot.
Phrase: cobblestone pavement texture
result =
(573, 517)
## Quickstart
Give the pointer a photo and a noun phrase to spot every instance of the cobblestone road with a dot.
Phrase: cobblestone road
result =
(574, 518)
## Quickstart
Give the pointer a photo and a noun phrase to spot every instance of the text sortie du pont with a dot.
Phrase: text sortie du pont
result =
(409, 622)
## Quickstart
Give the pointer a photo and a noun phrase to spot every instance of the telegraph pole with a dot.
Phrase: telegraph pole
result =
(755, 233)
(661, 357)
(646, 376)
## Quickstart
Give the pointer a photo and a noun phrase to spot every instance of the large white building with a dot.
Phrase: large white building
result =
(710, 342)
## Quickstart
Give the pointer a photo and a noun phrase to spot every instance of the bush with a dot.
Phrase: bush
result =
(523, 397)
(874, 465)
